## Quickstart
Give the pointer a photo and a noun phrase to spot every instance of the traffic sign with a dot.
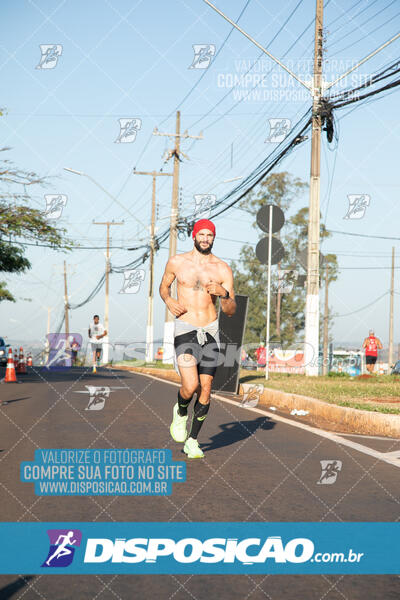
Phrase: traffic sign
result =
(302, 258)
(278, 218)
(277, 250)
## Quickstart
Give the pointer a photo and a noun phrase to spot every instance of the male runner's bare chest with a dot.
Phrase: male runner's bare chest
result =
(196, 277)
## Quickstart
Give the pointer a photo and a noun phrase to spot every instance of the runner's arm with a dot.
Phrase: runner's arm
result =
(228, 305)
(165, 289)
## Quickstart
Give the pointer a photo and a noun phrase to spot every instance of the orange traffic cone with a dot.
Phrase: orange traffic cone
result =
(15, 359)
(10, 370)
(21, 363)
(29, 360)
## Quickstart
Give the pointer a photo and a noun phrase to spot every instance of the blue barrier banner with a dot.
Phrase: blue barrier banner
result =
(200, 548)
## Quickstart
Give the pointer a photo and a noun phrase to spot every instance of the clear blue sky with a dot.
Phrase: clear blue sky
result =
(125, 59)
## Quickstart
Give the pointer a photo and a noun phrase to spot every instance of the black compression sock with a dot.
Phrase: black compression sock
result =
(199, 414)
(183, 404)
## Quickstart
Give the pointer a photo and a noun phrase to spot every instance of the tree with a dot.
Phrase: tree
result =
(18, 222)
(251, 276)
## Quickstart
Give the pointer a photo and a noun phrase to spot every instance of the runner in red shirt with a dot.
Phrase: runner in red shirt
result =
(371, 344)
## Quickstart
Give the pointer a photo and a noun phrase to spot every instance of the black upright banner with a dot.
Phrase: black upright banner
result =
(231, 332)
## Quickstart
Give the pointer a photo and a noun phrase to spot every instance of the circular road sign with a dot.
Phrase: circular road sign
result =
(278, 251)
(278, 218)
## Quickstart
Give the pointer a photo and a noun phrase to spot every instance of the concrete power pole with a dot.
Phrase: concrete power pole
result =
(47, 344)
(326, 325)
(390, 359)
(150, 307)
(311, 345)
(106, 304)
(173, 234)
(66, 303)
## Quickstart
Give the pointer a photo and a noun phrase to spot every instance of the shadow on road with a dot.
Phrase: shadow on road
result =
(9, 590)
(246, 378)
(15, 400)
(236, 431)
(35, 374)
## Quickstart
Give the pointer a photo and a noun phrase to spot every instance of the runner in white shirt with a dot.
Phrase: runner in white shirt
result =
(96, 334)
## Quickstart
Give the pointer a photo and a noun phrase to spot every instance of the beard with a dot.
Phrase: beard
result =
(203, 250)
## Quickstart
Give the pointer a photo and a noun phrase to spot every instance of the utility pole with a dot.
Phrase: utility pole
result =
(326, 325)
(150, 326)
(390, 359)
(47, 345)
(278, 306)
(106, 304)
(311, 339)
(65, 306)
(176, 152)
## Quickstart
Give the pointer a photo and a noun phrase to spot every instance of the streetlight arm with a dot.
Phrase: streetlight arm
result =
(258, 45)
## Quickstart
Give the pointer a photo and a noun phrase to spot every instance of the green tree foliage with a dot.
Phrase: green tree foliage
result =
(20, 222)
(250, 275)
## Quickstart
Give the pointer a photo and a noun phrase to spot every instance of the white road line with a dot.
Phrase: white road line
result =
(371, 437)
(333, 437)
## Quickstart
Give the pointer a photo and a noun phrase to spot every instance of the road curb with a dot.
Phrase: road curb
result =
(354, 420)
(351, 420)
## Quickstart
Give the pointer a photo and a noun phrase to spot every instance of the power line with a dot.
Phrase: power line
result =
(369, 33)
(364, 23)
(380, 237)
(363, 307)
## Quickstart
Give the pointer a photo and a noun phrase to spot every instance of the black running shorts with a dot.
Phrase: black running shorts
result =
(206, 356)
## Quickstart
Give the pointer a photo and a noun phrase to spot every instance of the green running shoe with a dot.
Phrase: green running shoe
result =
(192, 449)
(178, 426)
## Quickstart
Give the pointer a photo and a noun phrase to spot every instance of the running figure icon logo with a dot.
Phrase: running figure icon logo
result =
(128, 130)
(132, 281)
(203, 205)
(62, 547)
(278, 130)
(358, 204)
(251, 394)
(54, 205)
(330, 471)
(50, 53)
(203, 54)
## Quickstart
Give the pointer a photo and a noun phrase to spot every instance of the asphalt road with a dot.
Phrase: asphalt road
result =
(255, 469)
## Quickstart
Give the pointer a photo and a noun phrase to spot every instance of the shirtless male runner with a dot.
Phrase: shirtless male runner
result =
(201, 278)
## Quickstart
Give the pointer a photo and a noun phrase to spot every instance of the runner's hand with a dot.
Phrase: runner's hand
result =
(176, 308)
(215, 289)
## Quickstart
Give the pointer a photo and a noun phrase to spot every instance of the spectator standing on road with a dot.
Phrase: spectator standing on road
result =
(371, 344)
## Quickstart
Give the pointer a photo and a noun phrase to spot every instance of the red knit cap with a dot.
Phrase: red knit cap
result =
(203, 224)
